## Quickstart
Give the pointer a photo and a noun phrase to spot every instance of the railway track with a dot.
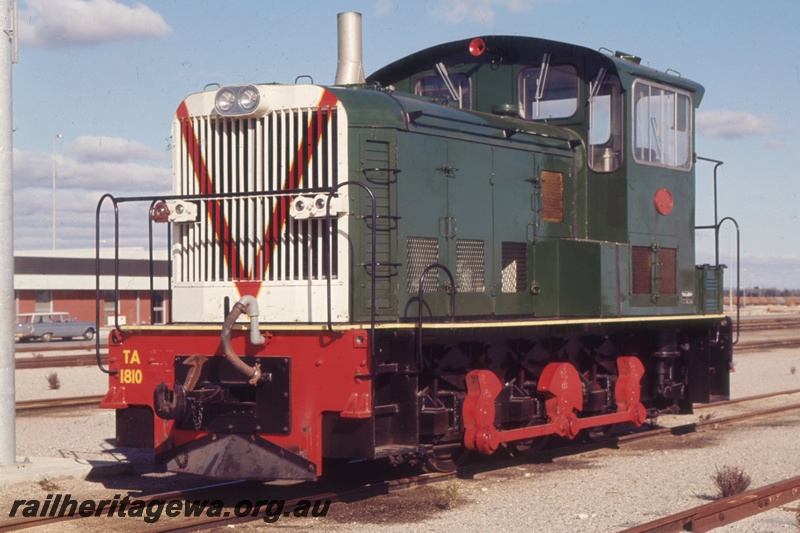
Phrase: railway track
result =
(322, 492)
(726, 510)
(762, 324)
(60, 361)
(32, 406)
(755, 346)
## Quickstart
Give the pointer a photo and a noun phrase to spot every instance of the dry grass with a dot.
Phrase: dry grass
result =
(451, 495)
(52, 381)
(730, 480)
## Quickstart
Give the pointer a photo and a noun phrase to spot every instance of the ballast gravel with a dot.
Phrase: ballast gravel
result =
(604, 490)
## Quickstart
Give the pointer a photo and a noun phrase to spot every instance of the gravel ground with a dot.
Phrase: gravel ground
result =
(604, 490)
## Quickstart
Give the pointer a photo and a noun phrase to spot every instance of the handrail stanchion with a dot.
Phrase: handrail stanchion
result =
(419, 308)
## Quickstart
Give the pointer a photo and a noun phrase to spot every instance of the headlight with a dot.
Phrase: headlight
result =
(249, 98)
(237, 100)
(224, 101)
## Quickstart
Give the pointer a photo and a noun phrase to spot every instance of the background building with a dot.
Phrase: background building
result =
(64, 280)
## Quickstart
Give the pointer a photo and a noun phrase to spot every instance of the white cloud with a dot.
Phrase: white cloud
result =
(33, 168)
(384, 8)
(53, 23)
(481, 11)
(113, 149)
(85, 170)
(728, 124)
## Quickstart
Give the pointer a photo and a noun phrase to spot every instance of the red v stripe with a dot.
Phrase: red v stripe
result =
(243, 276)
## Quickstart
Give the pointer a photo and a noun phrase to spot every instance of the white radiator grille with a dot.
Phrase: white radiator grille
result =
(254, 238)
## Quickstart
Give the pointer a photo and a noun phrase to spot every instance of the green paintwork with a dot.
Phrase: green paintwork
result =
(475, 176)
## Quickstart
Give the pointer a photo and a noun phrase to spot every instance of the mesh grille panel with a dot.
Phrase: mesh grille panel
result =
(552, 196)
(469, 265)
(642, 266)
(668, 282)
(515, 267)
(422, 252)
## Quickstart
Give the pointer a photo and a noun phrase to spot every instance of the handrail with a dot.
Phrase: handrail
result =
(153, 199)
(152, 261)
(715, 227)
(373, 260)
(97, 274)
(419, 309)
(738, 289)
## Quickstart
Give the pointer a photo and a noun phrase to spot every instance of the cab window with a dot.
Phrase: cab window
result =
(662, 133)
(434, 87)
(548, 91)
(605, 123)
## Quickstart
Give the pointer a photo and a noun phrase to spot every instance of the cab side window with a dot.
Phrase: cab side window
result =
(662, 129)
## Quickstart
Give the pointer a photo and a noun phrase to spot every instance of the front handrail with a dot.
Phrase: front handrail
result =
(116, 202)
(373, 259)
(97, 274)
(151, 213)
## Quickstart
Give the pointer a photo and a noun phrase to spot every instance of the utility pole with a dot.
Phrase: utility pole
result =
(8, 416)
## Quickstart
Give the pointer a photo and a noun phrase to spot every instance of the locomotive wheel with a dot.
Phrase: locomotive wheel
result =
(445, 459)
(528, 447)
(599, 432)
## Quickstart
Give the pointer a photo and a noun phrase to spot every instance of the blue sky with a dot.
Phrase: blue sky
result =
(108, 75)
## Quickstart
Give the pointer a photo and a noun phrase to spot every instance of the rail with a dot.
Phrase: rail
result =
(419, 308)
(715, 227)
(373, 262)
(154, 200)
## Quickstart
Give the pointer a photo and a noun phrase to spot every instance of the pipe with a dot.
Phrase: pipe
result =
(246, 302)
(350, 69)
(7, 406)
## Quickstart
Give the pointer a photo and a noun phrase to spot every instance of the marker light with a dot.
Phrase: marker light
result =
(159, 213)
(477, 47)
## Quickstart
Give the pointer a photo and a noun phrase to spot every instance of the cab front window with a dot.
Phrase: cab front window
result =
(605, 123)
(436, 87)
(548, 91)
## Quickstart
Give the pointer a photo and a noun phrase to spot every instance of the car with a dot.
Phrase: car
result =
(46, 326)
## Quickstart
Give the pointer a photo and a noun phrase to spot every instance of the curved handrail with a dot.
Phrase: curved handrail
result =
(97, 273)
(419, 308)
(738, 307)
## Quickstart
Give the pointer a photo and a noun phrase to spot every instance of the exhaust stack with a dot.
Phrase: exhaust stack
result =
(350, 69)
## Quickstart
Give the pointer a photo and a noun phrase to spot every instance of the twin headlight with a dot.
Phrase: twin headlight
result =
(237, 100)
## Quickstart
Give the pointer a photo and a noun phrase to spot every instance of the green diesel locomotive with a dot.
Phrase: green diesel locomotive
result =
(481, 245)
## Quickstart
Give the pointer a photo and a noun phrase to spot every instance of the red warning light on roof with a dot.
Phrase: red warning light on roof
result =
(477, 47)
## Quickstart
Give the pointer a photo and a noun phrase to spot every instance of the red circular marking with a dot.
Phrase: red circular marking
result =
(663, 201)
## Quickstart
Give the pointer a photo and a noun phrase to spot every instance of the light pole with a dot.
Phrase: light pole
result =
(55, 137)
